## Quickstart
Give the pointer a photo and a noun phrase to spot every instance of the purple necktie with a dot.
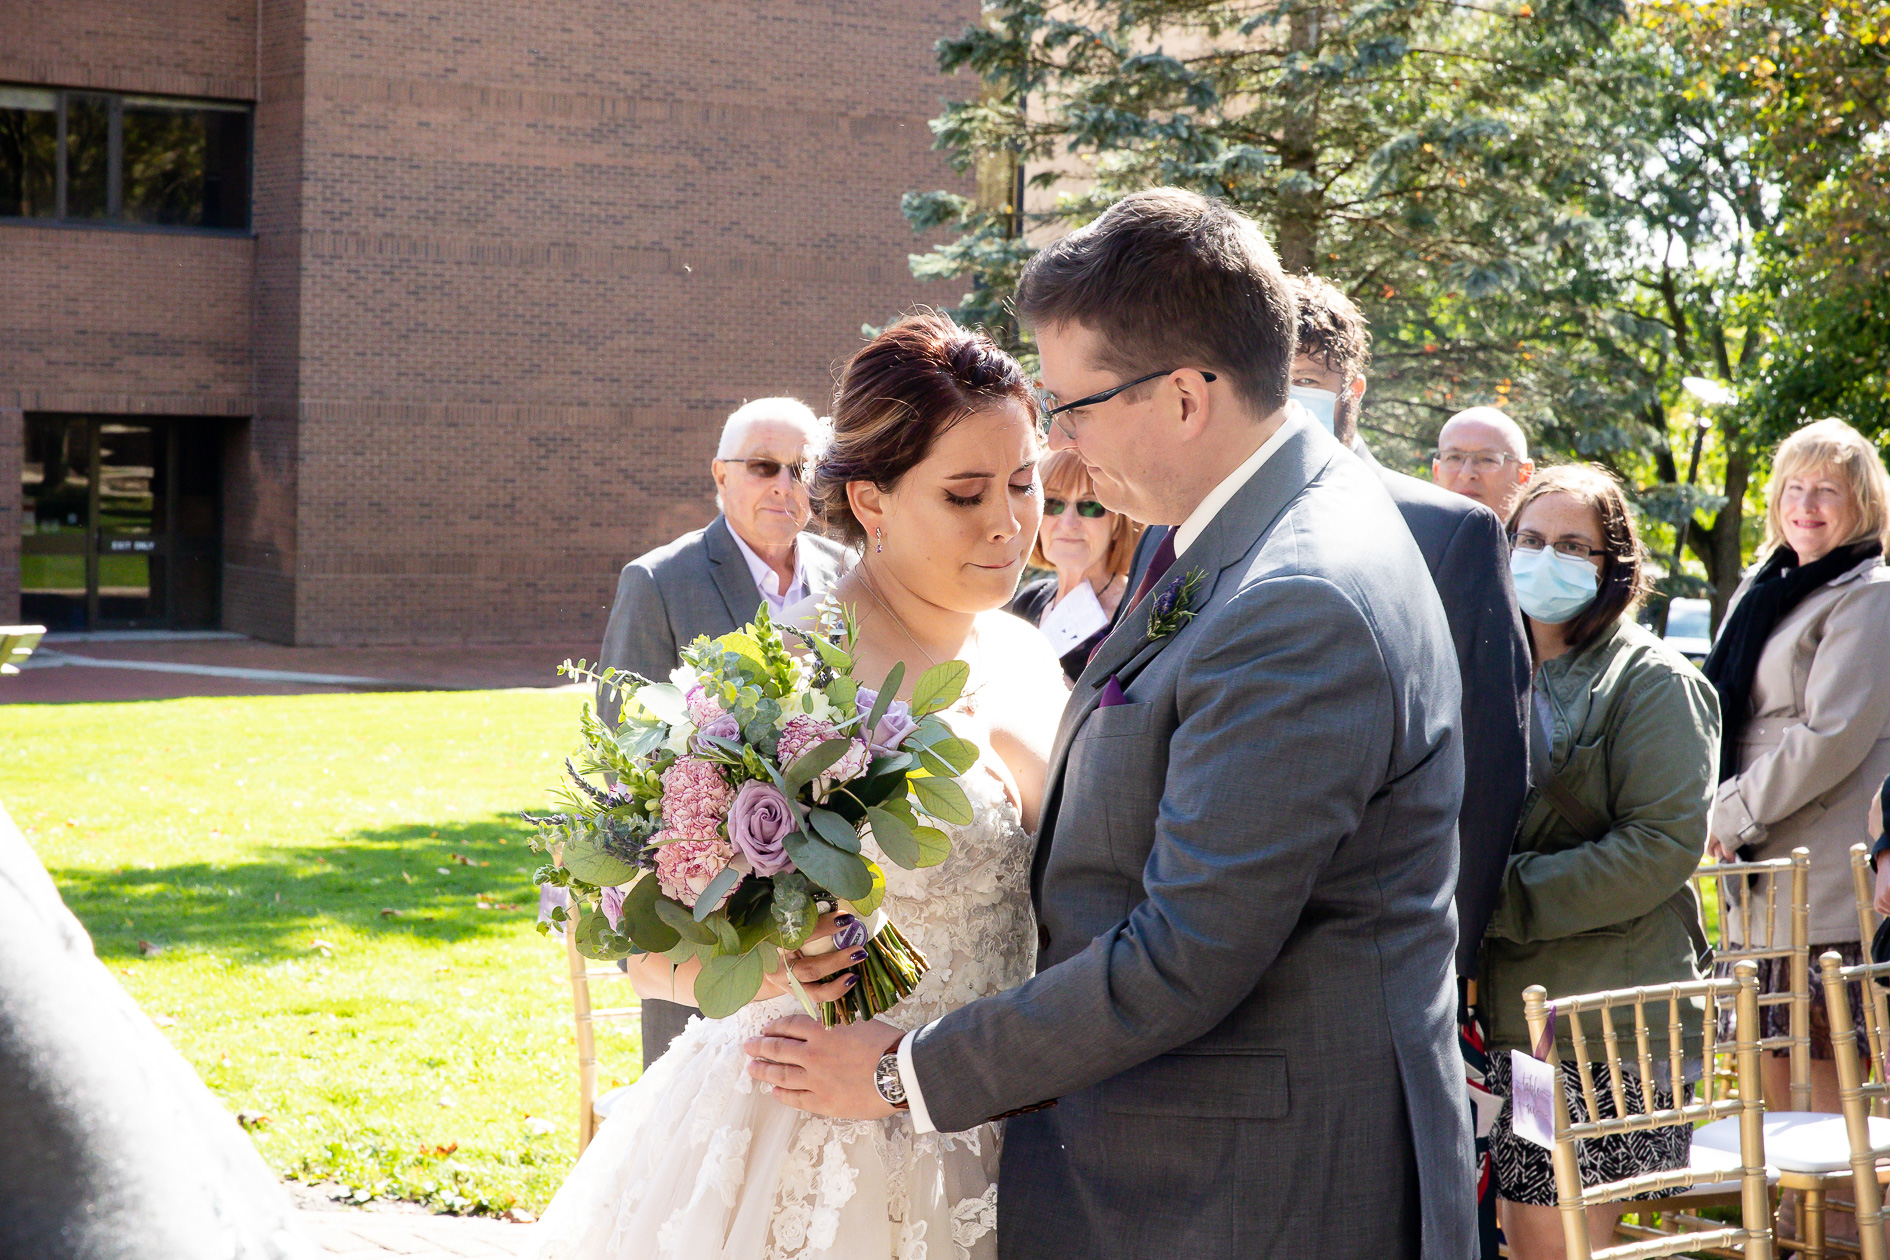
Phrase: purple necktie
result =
(1163, 560)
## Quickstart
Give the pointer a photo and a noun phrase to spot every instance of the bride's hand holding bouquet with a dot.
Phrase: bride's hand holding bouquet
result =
(733, 833)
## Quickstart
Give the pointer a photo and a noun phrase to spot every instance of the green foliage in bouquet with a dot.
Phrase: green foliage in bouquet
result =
(735, 801)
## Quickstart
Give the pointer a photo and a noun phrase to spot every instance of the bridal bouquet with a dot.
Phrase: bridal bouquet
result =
(743, 789)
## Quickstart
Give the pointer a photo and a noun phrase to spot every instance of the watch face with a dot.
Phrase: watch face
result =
(886, 1080)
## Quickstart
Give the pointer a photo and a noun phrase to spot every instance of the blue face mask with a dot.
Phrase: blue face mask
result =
(1318, 401)
(1552, 587)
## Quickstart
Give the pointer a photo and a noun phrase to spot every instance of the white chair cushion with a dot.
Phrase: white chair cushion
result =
(608, 1100)
(1725, 1165)
(1796, 1141)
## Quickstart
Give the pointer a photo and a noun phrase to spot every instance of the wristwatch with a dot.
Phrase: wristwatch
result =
(886, 1079)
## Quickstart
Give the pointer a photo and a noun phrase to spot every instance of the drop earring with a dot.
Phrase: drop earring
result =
(879, 539)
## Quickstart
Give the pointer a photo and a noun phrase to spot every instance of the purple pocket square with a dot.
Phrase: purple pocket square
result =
(1111, 694)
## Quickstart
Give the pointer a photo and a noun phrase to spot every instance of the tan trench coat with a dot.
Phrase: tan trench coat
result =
(1817, 746)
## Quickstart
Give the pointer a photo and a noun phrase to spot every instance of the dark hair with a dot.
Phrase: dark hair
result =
(1623, 581)
(897, 395)
(1331, 328)
(1170, 279)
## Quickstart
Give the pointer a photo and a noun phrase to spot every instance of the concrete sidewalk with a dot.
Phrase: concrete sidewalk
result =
(91, 668)
(399, 1229)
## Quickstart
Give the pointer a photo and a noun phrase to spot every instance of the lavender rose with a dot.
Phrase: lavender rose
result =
(758, 821)
(895, 724)
(724, 727)
(610, 901)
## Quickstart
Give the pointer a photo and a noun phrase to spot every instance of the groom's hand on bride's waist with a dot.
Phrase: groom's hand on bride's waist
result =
(828, 1071)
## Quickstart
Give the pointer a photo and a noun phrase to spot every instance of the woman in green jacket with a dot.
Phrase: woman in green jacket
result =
(1597, 892)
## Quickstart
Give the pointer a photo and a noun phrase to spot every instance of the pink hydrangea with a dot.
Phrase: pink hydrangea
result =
(696, 798)
(685, 867)
(703, 711)
(805, 732)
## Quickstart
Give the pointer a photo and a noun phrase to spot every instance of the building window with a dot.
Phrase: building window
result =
(101, 157)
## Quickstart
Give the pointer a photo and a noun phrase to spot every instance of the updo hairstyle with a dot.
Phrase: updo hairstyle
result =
(897, 395)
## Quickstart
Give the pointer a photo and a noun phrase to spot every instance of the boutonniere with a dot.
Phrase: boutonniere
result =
(1173, 608)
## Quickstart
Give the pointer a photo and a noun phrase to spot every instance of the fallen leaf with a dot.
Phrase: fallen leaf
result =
(253, 1119)
(518, 1216)
(446, 1100)
(403, 875)
(389, 912)
(163, 1021)
(442, 870)
(148, 949)
(539, 1125)
(440, 1151)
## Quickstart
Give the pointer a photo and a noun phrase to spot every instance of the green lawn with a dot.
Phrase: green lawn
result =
(309, 873)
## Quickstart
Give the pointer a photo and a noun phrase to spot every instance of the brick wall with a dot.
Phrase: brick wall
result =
(178, 47)
(12, 447)
(546, 250)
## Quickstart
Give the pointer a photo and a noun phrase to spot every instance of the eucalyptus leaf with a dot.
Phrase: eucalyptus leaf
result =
(841, 873)
(792, 909)
(585, 858)
(939, 687)
(943, 799)
(684, 923)
(864, 906)
(727, 939)
(834, 829)
(728, 982)
(710, 898)
(959, 754)
(811, 764)
(894, 837)
(934, 845)
(888, 691)
(640, 919)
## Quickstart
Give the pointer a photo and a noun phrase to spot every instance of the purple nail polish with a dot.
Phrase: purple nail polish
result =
(859, 955)
(853, 978)
(841, 920)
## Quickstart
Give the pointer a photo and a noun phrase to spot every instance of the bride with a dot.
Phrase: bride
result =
(932, 477)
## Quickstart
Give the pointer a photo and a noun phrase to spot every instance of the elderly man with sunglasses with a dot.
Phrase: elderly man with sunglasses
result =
(712, 580)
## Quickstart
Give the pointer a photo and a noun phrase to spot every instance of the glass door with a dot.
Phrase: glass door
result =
(119, 532)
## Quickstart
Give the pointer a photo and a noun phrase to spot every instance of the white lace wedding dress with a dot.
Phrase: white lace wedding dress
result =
(699, 1162)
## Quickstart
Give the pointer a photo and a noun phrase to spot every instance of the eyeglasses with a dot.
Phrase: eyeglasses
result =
(769, 469)
(1088, 509)
(1563, 546)
(1479, 461)
(1047, 414)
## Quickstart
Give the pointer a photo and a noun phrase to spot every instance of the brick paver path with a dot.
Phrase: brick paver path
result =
(358, 1235)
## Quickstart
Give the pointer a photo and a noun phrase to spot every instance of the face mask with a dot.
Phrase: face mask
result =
(1552, 587)
(1318, 401)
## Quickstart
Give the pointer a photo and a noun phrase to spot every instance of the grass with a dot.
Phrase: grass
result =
(296, 889)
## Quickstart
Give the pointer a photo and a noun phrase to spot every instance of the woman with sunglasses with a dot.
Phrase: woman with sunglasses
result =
(1090, 548)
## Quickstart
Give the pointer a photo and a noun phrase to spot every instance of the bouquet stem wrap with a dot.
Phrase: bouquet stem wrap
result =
(891, 971)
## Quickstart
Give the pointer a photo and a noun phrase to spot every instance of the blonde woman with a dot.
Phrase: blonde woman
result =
(1090, 548)
(1802, 667)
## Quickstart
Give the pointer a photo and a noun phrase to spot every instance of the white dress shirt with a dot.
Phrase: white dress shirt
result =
(766, 578)
(1185, 536)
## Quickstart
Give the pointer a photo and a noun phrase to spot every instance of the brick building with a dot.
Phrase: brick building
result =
(342, 322)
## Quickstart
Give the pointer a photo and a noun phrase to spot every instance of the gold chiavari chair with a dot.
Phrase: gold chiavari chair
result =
(1753, 1235)
(1866, 1135)
(591, 1108)
(1876, 1000)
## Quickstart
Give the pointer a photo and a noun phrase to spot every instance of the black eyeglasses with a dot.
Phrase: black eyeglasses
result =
(768, 469)
(1088, 509)
(1049, 413)
(1569, 547)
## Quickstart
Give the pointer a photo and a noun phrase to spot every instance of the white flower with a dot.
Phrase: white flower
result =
(683, 677)
(679, 736)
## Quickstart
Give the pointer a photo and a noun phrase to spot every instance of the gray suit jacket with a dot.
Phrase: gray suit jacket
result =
(1245, 996)
(699, 584)
(1467, 552)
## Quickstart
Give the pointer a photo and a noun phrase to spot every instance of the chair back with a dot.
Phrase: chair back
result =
(1753, 1235)
(1750, 897)
(1876, 1000)
(1858, 1095)
(16, 644)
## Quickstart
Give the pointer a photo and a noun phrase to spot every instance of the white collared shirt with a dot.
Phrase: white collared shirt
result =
(1190, 530)
(1217, 498)
(766, 578)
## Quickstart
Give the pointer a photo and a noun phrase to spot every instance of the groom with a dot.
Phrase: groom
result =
(1245, 998)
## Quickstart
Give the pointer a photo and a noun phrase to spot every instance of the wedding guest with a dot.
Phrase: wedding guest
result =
(1090, 548)
(1597, 894)
(1802, 666)
(713, 579)
(1483, 455)
(1467, 554)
